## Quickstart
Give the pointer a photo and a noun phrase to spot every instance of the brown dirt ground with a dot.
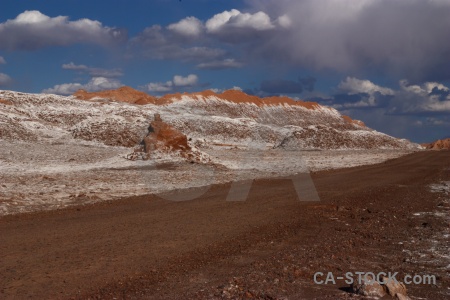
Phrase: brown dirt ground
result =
(267, 247)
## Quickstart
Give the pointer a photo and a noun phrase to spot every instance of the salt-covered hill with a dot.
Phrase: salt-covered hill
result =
(121, 118)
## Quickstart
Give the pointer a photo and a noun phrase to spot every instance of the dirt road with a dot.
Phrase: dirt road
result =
(373, 218)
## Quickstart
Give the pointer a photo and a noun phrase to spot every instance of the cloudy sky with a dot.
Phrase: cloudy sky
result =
(381, 61)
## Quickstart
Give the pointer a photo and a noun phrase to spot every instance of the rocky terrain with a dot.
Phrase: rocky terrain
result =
(387, 217)
(100, 146)
(64, 158)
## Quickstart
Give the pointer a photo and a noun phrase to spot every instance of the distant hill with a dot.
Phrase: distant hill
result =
(438, 145)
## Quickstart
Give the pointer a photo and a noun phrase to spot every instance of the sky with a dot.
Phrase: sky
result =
(384, 62)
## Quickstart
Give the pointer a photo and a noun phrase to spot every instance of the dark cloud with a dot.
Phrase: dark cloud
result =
(441, 93)
(32, 30)
(93, 72)
(229, 63)
(361, 100)
(404, 37)
(156, 42)
(425, 99)
(282, 86)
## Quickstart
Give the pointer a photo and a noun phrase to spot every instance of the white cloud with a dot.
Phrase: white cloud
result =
(4, 79)
(189, 26)
(234, 18)
(159, 87)
(2, 60)
(72, 66)
(353, 86)
(176, 83)
(189, 80)
(94, 85)
(220, 64)
(284, 21)
(32, 30)
(94, 72)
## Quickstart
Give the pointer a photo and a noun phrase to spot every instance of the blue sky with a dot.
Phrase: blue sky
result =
(381, 61)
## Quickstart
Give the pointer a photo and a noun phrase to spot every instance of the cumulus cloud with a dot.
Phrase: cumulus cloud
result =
(236, 27)
(395, 37)
(228, 63)
(2, 60)
(234, 18)
(190, 26)
(413, 99)
(94, 85)
(159, 87)
(94, 72)
(358, 93)
(178, 82)
(189, 80)
(355, 86)
(5, 79)
(427, 98)
(32, 30)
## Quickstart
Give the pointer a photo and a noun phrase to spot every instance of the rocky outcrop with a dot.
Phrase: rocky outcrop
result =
(163, 137)
(122, 94)
(438, 145)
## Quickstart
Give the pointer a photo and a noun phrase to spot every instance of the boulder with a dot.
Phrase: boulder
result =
(394, 287)
(369, 287)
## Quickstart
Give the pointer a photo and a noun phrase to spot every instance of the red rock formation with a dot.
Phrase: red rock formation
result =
(122, 94)
(164, 137)
(439, 145)
(130, 95)
(237, 96)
